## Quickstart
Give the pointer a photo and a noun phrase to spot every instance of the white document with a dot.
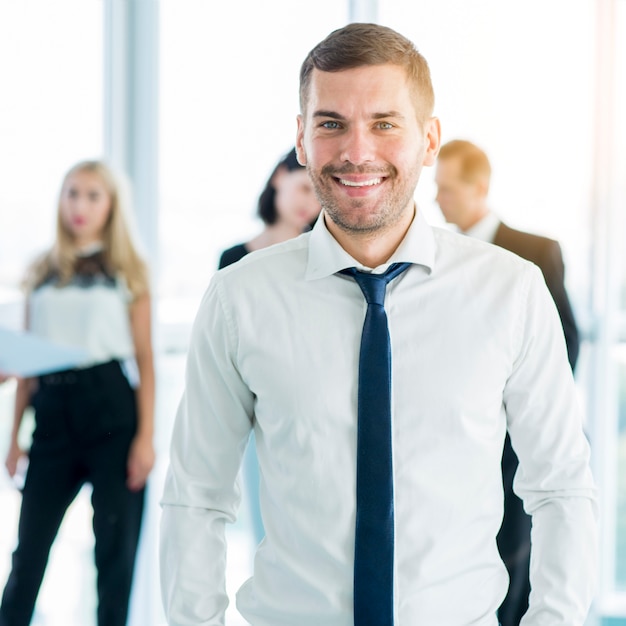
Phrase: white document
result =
(24, 354)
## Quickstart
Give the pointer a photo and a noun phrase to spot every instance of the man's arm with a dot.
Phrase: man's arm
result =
(210, 433)
(554, 478)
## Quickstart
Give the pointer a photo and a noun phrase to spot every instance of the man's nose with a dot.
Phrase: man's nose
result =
(359, 147)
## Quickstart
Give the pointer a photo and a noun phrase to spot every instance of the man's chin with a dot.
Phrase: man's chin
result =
(357, 224)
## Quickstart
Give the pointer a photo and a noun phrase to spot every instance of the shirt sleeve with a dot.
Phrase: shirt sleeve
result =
(201, 493)
(554, 478)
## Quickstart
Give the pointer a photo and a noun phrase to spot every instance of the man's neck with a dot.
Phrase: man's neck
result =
(372, 249)
(474, 218)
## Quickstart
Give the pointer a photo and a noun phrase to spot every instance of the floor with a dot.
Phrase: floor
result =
(67, 596)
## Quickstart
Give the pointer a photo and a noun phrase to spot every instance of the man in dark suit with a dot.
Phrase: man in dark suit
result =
(462, 177)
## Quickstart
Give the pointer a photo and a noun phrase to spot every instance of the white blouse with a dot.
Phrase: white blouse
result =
(90, 312)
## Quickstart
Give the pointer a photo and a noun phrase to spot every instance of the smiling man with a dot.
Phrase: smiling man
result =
(380, 362)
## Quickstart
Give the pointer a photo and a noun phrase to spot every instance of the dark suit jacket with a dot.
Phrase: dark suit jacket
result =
(514, 536)
(546, 254)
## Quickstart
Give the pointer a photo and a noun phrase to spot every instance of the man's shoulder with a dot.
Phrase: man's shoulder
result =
(466, 268)
(463, 248)
(276, 261)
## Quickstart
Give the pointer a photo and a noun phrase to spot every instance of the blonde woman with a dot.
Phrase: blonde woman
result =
(94, 423)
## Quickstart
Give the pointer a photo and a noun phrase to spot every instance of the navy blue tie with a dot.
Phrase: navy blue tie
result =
(374, 533)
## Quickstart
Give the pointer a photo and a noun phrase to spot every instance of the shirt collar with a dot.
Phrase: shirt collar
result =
(485, 229)
(327, 257)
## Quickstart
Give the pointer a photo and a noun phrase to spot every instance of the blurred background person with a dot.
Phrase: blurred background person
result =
(288, 207)
(94, 423)
(463, 175)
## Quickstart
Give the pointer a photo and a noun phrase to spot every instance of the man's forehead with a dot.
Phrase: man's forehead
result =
(380, 69)
(384, 84)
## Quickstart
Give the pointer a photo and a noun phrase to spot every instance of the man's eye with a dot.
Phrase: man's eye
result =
(385, 125)
(330, 124)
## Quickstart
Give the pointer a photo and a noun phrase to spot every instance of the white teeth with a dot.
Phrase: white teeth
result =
(364, 183)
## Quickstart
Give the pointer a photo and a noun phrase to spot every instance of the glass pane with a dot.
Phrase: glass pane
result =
(229, 100)
(51, 77)
(618, 218)
(620, 142)
(620, 530)
(501, 82)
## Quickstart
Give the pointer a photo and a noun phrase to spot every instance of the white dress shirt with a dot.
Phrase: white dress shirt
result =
(477, 347)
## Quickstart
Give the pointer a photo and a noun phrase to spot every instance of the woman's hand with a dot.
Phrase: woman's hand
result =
(140, 462)
(141, 455)
(13, 456)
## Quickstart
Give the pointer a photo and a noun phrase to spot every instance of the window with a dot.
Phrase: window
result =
(51, 75)
(229, 100)
(510, 78)
(610, 306)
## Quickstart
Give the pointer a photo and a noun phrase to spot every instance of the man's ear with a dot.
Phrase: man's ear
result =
(482, 187)
(432, 127)
(300, 152)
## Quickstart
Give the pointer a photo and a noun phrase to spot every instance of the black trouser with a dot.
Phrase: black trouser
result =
(85, 421)
(514, 544)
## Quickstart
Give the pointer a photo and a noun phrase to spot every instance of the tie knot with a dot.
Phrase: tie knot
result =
(373, 286)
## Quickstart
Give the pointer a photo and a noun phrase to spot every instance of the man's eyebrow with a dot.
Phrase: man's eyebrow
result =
(331, 114)
(385, 114)
(376, 116)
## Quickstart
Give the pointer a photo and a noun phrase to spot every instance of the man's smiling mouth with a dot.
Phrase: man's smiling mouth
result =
(360, 183)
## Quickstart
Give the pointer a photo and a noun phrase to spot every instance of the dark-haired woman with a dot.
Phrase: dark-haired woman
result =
(287, 205)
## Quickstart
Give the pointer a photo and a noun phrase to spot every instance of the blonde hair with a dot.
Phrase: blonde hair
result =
(474, 164)
(120, 252)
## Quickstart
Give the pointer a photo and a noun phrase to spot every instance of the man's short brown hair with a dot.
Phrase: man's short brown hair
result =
(359, 45)
(474, 163)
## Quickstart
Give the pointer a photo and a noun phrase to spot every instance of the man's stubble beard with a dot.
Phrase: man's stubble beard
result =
(389, 209)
